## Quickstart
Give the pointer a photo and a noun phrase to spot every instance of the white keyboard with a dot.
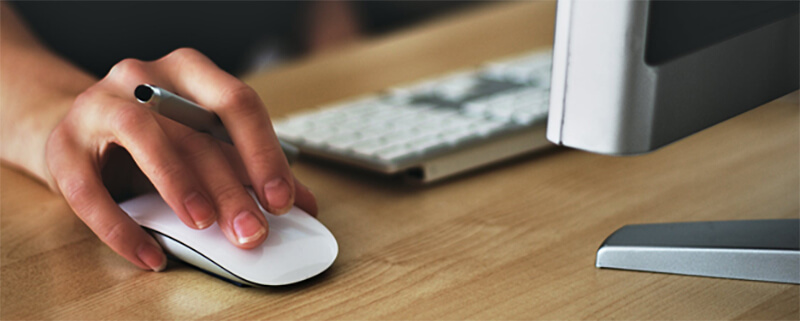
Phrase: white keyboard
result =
(436, 127)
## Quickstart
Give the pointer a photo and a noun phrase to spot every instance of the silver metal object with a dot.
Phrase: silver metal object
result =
(761, 250)
(192, 115)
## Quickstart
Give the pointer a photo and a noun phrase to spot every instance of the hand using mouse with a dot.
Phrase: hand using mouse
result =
(71, 131)
(200, 178)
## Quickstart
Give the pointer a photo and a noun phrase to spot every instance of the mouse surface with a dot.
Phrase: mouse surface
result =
(297, 247)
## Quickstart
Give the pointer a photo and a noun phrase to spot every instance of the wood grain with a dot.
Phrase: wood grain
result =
(513, 241)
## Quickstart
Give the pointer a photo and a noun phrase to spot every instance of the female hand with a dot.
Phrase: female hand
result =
(203, 180)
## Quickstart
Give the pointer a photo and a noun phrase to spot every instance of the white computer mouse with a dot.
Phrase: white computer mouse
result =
(298, 246)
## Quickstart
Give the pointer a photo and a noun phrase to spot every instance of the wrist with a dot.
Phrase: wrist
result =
(38, 88)
(26, 134)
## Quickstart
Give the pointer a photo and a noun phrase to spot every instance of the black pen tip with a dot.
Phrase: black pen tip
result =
(143, 93)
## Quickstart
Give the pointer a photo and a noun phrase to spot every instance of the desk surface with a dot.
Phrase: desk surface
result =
(514, 241)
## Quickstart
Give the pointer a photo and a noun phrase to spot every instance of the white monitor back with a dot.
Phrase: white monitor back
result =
(608, 96)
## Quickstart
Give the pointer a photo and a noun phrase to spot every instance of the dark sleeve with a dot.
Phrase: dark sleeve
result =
(97, 34)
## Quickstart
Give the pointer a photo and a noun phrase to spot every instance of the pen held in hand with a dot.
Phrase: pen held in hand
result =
(192, 115)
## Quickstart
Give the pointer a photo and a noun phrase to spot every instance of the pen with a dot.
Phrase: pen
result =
(192, 115)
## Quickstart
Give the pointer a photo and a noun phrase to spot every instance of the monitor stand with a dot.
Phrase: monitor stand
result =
(762, 250)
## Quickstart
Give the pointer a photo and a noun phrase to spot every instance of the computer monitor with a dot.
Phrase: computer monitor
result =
(631, 76)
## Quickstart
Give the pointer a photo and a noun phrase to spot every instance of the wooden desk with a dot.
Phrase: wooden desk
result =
(514, 241)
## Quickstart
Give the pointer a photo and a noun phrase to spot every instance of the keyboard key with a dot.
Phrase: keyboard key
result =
(423, 144)
(458, 136)
(345, 141)
(490, 127)
(368, 147)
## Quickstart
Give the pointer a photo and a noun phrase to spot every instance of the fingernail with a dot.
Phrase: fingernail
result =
(152, 256)
(200, 210)
(278, 195)
(247, 227)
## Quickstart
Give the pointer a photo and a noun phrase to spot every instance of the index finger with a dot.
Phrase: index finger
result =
(195, 77)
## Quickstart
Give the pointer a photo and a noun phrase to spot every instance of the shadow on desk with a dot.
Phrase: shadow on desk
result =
(176, 266)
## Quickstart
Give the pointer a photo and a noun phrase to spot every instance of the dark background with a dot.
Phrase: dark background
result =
(97, 34)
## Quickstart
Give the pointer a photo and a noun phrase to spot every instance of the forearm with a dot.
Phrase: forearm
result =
(37, 89)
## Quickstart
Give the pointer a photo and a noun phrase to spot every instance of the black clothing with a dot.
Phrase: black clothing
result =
(97, 34)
